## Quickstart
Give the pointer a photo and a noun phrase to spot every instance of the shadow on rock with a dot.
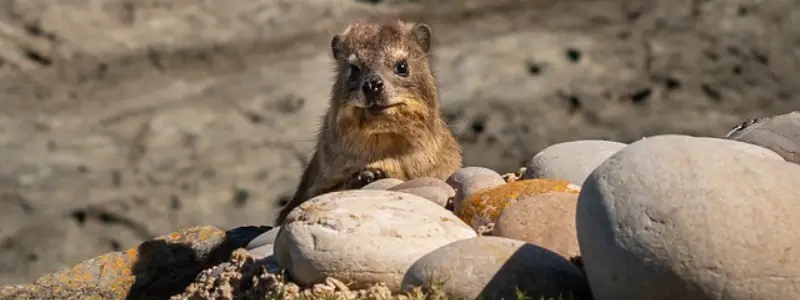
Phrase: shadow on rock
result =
(536, 272)
(164, 269)
(491, 267)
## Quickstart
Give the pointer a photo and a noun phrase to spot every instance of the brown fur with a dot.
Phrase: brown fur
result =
(410, 140)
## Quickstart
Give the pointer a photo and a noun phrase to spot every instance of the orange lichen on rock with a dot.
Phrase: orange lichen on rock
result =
(109, 274)
(482, 209)
(116, 275)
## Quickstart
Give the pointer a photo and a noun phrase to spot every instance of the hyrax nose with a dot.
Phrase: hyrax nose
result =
(372, 86)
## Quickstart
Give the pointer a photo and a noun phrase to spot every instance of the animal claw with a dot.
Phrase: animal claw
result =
(364, 177)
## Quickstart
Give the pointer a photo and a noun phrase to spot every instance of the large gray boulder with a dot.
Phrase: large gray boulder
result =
(692, 218)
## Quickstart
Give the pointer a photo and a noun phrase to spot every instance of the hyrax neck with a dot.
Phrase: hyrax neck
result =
(408, 128)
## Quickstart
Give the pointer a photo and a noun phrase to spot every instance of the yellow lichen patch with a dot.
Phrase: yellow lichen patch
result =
(121, 285)
(109, 272)
(199, 234)
(173, 236)
(484, 207)
(6, 291)
(131, 254)
(115, 264)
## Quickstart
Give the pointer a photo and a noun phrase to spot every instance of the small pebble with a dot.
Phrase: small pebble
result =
(382, 184)
(546, 220)
(511, 177)
(497, 268)
(426, 182)
(433, 189)
(458, 178)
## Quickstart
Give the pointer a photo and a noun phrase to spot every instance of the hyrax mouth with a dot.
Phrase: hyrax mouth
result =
(379, 109)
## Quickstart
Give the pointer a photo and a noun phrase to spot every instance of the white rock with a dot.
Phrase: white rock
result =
(570, 161)
(266, 238)
(382, 184)
(363, 236)
(679, 217)
(262, 245)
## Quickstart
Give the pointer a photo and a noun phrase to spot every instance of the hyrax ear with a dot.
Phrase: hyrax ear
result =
(337, 46)
(422, 32)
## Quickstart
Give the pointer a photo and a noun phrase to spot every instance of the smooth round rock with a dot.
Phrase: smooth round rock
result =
(435, 195)
(780, 134)
(546, 220)
(433, 189)
(680, 217)
(262, 251)
(426, 182)
(484, 207)
(570, 161)
(262, 245)
(382, 184)
(458, 178)
(494, 268)
(266, 238)
(363, 236)
(472, 185)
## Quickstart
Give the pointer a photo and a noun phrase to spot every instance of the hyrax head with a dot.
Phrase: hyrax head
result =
(383, 66)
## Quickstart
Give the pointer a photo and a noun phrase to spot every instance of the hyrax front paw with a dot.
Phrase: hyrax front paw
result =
(364, 177)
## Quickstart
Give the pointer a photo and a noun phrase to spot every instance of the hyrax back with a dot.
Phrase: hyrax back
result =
(384, 118)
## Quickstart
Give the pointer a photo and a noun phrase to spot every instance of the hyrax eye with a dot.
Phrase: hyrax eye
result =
(401, 68)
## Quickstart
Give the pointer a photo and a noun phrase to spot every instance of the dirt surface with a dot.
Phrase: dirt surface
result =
(123, 120)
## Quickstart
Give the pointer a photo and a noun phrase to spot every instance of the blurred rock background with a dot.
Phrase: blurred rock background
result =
(122, 120)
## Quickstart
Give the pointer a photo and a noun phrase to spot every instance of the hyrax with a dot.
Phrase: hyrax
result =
(383, 119)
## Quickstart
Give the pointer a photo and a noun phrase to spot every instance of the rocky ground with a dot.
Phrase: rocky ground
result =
(665, 217)
(125, 120)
